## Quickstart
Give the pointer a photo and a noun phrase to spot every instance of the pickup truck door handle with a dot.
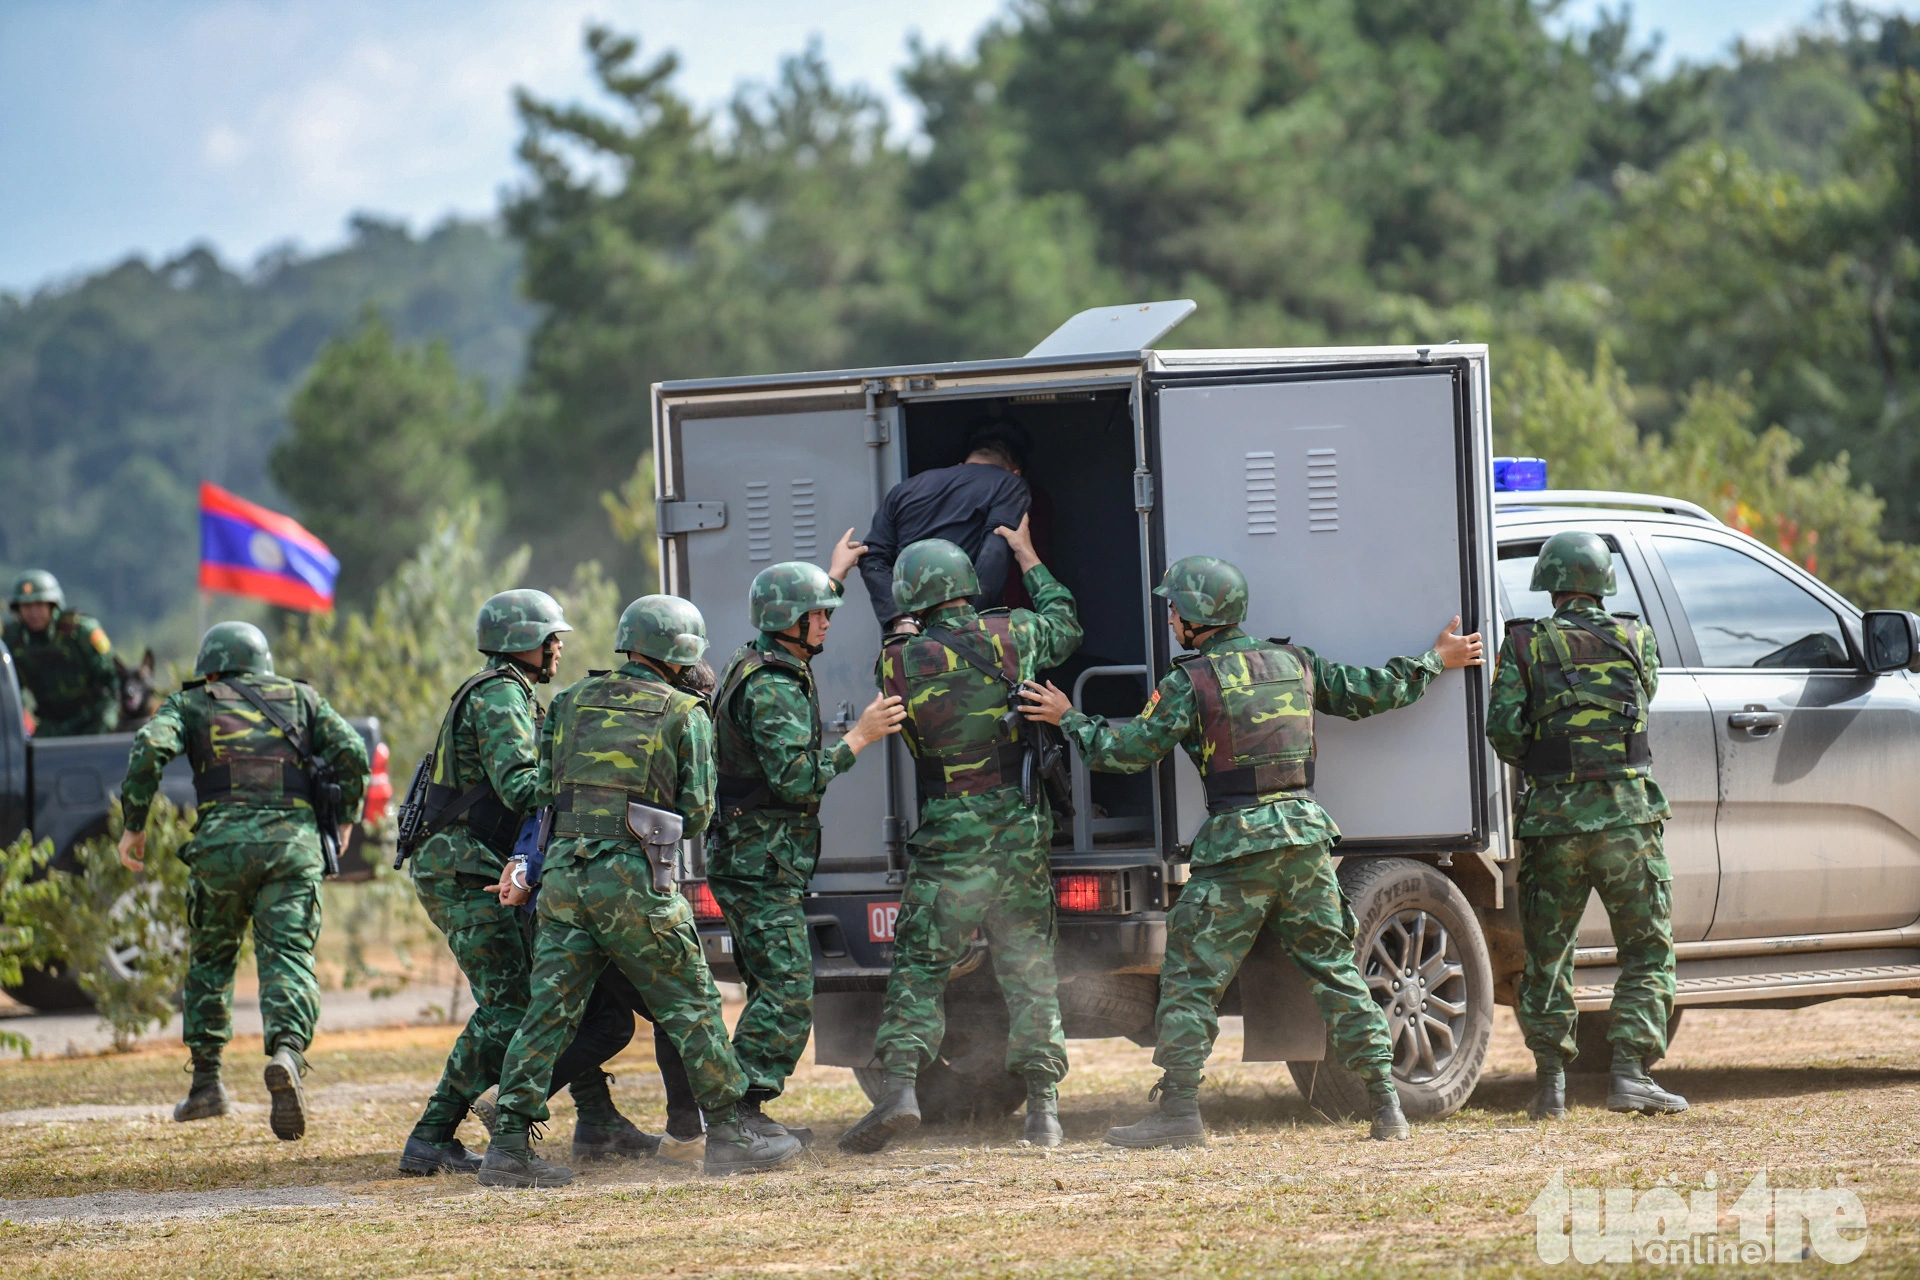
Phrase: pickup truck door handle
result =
(1756, 720)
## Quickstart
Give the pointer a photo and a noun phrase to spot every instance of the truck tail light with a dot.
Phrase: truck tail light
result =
(379, 785)
(706, 908)
(1090, 892)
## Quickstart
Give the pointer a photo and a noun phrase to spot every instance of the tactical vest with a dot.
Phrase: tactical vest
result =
(956, 722)
(238, 757)
(742, 785)
(487, 816)
(1256, 722)
(1586, 698)
(610, 731)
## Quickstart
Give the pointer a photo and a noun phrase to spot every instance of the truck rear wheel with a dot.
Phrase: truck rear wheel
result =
(969, 1081)
(1422, 956)
(52, 989)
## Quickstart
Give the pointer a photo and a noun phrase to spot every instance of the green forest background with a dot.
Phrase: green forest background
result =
(1699, 280)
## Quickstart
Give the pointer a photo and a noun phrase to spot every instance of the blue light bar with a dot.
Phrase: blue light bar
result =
(1519, 475)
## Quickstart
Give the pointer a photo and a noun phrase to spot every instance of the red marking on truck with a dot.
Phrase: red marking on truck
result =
(881, 917)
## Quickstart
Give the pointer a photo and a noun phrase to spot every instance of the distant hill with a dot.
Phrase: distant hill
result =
(120, 393)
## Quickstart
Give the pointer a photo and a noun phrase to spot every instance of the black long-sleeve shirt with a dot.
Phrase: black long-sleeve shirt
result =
(962, 504)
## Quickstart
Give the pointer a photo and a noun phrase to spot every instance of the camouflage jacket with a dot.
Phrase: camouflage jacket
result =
(771, 731)
(230, 732)
(68, 668)
(497, 740)
(1172, 718)
(578, 724)
(1566, 808)
(1045, 636)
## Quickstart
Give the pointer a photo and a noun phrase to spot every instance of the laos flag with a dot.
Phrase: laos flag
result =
(247, 550)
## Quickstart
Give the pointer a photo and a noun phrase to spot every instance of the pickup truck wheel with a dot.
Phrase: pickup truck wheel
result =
(53, 989)
(1596, 1054)
(1422, 955)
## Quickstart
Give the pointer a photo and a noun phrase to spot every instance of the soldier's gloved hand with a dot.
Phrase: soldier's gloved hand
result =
(1046, 703)
(133, 850)
(846, 555)
(1456, 650)
(883, 716)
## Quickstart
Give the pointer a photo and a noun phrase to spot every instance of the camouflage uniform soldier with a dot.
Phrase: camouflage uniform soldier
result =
(616, 748)
(486, 765)
(1243, 709)
(64, 660)
(980, 853)
(255, 855)
(1569, 708)
(765, 840)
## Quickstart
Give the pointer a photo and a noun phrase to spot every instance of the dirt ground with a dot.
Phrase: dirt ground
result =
(96, 1181)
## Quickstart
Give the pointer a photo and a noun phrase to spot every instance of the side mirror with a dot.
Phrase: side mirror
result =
(1893, 640)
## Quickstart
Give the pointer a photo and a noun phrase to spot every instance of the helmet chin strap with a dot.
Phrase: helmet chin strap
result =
(813, 650)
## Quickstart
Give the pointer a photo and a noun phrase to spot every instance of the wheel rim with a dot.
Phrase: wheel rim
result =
(131, 937)
(1414, 970)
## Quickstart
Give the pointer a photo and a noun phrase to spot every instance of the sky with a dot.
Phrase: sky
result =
(146, 126)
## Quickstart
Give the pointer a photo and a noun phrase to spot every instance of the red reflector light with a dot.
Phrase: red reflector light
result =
(1089, 892)
(379, 785)
(706, 908)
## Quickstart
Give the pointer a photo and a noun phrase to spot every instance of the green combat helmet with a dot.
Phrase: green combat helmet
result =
(1205, 591)
(930, 572)
(37, 586)
(665, 628)
(233, 648)
(784, 593)
(1574, 561)
(515, 621)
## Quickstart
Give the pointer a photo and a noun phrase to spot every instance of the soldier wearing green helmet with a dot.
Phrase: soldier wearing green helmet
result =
(626, 761)
(1569, 710)
(255, 858)
(485, 768)
(980, 852)
(1243, 709)
(63, 659)
(773, 771)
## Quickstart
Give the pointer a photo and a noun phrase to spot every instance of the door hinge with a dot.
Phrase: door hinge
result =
(680, 515)
(1143, 490)
(879, 432)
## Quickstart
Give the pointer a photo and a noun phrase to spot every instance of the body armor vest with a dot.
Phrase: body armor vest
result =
(742, 787)
(1586, 698)
(1256, 722)
(238, 757)
(610, 733)
(486, 815)
(957, 715)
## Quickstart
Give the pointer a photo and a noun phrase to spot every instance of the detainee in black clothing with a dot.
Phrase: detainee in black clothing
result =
(963, 504)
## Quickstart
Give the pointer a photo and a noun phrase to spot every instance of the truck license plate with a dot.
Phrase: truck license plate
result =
(881, 917)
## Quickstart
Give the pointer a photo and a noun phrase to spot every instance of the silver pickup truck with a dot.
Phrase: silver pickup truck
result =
(1355, 487)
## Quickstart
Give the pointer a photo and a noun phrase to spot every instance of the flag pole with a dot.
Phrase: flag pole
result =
(203, 618)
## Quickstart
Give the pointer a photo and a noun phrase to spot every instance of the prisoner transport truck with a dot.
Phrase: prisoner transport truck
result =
(1353, 487)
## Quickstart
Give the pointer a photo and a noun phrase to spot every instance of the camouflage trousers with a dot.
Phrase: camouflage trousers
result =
(604, 910)
(769, 929)
(1291, 891)
(275, 887)
(490, 944)
(997, 882)
(1627, 867)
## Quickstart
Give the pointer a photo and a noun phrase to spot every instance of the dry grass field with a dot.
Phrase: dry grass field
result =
(1816, 1097)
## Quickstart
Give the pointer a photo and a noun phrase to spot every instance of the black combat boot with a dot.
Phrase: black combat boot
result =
(1389, 1122)
(756, 1119)
(1043, 1113)
(288, 1117)
(510, 1162)
(1631, 1089)
(206, 1096)
(424, 1157)
(600, 1132)
(1175, 1124)
(732, 1147)
(895, 1115)
(1549, 1101)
